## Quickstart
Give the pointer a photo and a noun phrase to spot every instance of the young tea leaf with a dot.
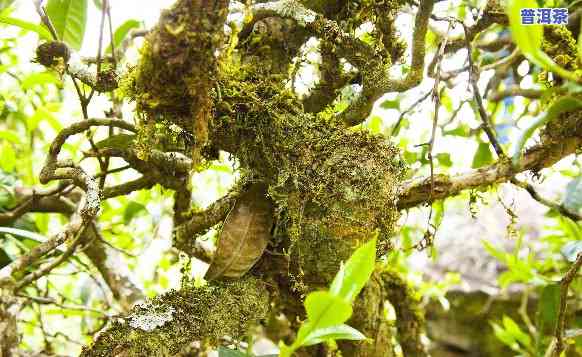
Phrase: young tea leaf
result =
(121, 33)
(324, 309)
(528, 38)
(354, 274)
(337, 332)
(42, 32)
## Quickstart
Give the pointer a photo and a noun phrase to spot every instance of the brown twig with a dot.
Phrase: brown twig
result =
(485, 120)
(185, 234)
(515, 91)
(49, 301)
(417, 190)
(396, 127)
(45, 19)
(44, 270)
(437, 103)
(561, 321)
(21, 263)
(560, 208)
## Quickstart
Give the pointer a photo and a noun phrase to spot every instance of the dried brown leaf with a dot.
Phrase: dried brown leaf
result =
(244, 236)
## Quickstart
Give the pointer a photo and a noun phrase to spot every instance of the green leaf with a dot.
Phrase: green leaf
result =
(460, 130)
(117, 141)
(375, 124)
(571, 250)
(132, 209)
(527, 37)
(284, 350)
(10, 136)
(483, 156)
(355, 273)
(22, 233)
(444, 159)
(28, 26)
(69, 18)
(390, 104)
(573, 199)
(227, 352)
(325, 310)
(494, 252)
(121, 33)
(516, 331)
(4, 258)
(548, 304)
(45, 113)
(338, 332)
(504, 336)
(8, 162)
(39, 79)
(560, 106)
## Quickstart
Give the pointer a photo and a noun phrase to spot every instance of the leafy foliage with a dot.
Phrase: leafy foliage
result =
(69, 17)
(328, 310)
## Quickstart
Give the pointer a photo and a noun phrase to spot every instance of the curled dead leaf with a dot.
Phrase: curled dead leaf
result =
(245, 234)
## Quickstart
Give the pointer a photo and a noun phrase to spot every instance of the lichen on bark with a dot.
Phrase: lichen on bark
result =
(171, 321)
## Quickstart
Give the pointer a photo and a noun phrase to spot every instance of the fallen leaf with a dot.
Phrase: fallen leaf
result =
(245, 234)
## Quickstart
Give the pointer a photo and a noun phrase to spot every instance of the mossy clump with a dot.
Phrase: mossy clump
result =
(173, 320)
(381, 13)
(566, 125)
(175, 74)
(336, 185)
(53, 53)
(561, 46)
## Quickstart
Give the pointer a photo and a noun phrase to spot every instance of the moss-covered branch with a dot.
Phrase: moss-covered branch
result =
(177, 71)
(409, 315)
(418, 191)
(171, 321)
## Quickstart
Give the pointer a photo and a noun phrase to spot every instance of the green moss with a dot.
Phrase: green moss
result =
(410, 321)
(171, 321)
(337, 186)
(172, 82)
(561, 46)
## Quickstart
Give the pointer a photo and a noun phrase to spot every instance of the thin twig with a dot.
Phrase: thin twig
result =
(560, 208)
(35, 275)
(49, 301)
(41, 11)
(396, 126)
(486, 124)
(437, 103)
(561, 321)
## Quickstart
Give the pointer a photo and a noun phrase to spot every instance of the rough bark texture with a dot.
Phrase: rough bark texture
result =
(165, 325)
(331, 187)
(9, 337)
(173, 81)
